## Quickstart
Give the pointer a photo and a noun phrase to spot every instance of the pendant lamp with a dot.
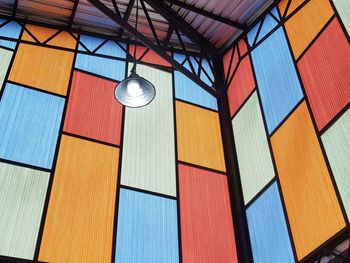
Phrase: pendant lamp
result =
(135, 91)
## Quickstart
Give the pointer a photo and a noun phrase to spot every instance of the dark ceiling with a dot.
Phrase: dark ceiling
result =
(210, 24)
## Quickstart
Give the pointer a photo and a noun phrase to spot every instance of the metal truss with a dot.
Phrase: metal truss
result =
(159, 46)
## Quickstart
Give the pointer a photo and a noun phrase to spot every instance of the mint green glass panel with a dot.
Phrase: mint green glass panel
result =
(336, 141)
(254, 159)
(22, 198)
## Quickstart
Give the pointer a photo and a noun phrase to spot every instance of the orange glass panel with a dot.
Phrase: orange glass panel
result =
(44, 68)
(150, 57)
(311, 202)
(199, 136)
(293, 5)
(63, 39)
(79, 222)
(303, 27)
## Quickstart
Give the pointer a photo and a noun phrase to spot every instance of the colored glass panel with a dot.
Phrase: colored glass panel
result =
(336, 141)
(277, 78)
(187, 90)
(147, 228)
(29, 125)
(148, 146)
(102, 47)
(43, 34)
(241, 86)
(80, 216)
(109, 68)
(303, 27)
(294, 4)
(254, 159)
(5, 58)
(343, 8)
(303, 173)
(268, 230)
(44, 68)
(199, 136)
(325, 72)
(22, 198)
(92, 109)
(11, 30)
(206, 219)
(269, 23)
(149, 57)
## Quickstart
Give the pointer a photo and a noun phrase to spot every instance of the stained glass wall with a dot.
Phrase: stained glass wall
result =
(288, 89)
(83, 179)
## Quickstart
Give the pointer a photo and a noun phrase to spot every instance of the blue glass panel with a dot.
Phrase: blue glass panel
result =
(90, 42)
(269, 24)
(252, 33)
(268, 230)
(112, 49)
(187, 90)
(277, 78)
(29, 125)
(110, 68)
(10, 30)
(147, 229)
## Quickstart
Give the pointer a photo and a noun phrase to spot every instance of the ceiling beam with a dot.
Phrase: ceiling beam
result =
(192, 34)
(147, 42)
(210, 15)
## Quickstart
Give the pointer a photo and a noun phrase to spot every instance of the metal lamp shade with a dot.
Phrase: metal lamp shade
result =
(135, 91)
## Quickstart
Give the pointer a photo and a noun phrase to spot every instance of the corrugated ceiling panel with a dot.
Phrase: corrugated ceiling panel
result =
(306, 23)
(80, 217)
(336, 141)
(254, 159)
(47, 11)
(7, 7)
(343, 8)
(268, 230)
(325, 71)
(199, 136)
(43, 68)
(277, 79)
(5, 58)
(22, 198)
(148, 147)
(306, 184)
(206, 220)
(147, 228)
(90, 19)
(92, 109)
(29, 125)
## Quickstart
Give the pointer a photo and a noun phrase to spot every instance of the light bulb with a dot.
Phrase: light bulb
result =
(133, 87)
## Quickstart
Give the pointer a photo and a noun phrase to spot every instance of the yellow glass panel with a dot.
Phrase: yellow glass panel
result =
(80, 217)
(199, 136)
(311, 202)
(303, 27)
(43, 68)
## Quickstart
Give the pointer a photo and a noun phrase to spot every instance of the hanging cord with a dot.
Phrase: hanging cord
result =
(135, 46)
